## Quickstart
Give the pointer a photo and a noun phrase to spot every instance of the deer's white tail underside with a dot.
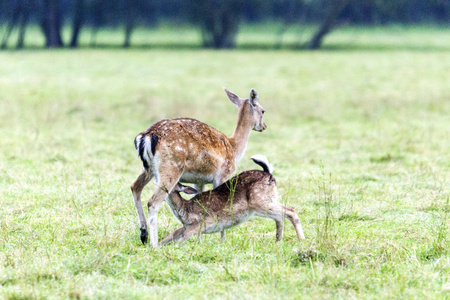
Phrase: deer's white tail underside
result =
(263, 162)
(144, 149)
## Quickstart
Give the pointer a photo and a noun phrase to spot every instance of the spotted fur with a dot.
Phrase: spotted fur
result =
(187, 150)
(251, 193)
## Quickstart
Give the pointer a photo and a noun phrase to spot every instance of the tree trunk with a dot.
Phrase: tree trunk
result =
(128, 23)
(78, 19)
(335, 8)
(130, 15)
(51, 24)
(13, 22)
(219, 21)
(128, 32)
(23, 25)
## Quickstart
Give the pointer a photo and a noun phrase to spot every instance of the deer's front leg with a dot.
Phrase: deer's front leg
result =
(153, 207)
(168, 179)
(136, 189)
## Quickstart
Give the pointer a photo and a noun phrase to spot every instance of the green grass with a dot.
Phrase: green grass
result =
(359, 140)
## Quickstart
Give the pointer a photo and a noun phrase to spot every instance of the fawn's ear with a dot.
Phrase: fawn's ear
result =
(233, 98)
(189, 190)
(253, 97)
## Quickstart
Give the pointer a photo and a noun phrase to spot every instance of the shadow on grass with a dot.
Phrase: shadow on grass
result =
(248, 47)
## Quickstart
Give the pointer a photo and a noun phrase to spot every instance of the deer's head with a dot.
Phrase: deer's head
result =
(250, 109)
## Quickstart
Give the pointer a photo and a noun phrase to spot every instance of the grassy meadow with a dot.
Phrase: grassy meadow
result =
(359, 138)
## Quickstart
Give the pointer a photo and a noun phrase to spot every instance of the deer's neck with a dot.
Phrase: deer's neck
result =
(241, 134)
(175, 202)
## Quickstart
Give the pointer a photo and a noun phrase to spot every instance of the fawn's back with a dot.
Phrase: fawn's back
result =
(232, 202)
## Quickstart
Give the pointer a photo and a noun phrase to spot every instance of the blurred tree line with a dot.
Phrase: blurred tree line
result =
(217, 20)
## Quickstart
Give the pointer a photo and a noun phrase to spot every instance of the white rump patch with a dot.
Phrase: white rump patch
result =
(147, 148)
(156, 162)
(137, 141)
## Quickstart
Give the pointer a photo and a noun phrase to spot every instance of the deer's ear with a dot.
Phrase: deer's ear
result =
(233, 98)
(189, 190)
(253, 97)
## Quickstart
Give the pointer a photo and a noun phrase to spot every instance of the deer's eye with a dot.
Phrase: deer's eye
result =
(263, 111)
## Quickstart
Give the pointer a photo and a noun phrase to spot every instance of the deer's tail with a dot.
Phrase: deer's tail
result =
(146, 148)
(262, 160)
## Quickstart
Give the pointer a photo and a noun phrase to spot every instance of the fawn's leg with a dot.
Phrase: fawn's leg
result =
(291, 214)
(280, 227)
(173, 236)
(189, 232)
(278, 212)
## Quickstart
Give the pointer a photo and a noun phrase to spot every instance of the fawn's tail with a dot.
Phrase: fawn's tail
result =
(262, 160)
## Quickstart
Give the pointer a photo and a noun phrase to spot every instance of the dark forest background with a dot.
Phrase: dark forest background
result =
(218, 21)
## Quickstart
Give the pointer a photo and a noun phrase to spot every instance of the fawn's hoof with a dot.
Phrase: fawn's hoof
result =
(144, 235)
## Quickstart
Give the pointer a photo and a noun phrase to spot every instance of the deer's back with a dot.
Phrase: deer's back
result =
(201, 148)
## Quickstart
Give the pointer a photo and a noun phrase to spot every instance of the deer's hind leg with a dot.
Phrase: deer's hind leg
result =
(136, 188)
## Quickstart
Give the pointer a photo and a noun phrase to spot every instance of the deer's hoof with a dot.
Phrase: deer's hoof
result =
(144, 235)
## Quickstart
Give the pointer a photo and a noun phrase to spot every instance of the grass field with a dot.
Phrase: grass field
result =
(359, 139)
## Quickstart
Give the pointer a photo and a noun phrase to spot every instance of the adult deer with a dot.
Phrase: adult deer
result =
(251, 193)
(190, 151)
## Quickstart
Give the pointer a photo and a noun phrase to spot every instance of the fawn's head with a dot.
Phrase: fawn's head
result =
(250, 108)
(185, 189)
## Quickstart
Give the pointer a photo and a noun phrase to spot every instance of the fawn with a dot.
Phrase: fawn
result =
(251, 193)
